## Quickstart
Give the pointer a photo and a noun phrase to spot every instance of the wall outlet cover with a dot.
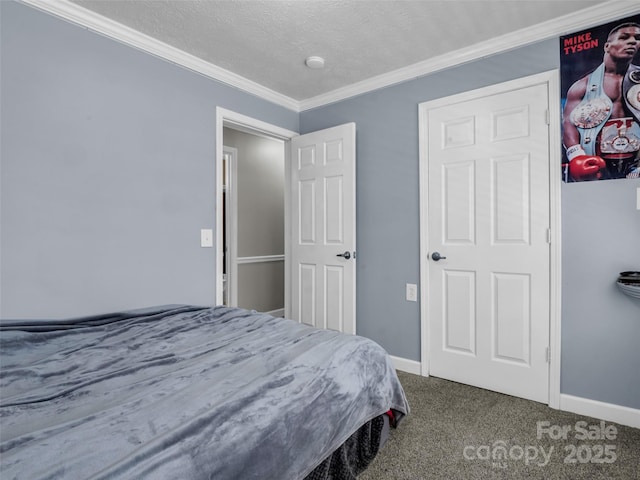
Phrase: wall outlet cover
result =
(412, 292)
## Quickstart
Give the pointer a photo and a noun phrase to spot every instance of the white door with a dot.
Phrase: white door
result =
(489, 220)
(323, 208)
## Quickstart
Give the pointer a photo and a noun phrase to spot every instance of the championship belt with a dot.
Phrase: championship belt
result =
(631, 90)
(620, 135)
(591, 113)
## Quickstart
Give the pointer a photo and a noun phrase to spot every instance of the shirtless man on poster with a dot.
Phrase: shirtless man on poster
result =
(601, 121)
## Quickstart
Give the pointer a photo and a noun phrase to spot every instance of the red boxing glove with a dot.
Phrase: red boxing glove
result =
(583, 166)
(586, 167)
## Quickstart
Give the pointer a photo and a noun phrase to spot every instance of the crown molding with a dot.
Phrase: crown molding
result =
(76, 14)
(92, 21)
(602, 13)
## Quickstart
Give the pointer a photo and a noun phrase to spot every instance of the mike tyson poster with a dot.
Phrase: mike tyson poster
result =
(600, 95)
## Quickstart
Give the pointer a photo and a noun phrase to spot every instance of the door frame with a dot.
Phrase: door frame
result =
(231, 224)
(238, 121)
(551, 80)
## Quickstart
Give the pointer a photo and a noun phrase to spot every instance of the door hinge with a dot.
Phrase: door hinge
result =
(548, 355)
(547, 117)
(548, 235)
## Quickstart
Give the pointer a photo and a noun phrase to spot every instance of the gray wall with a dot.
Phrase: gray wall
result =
(594, 313)
(600, 324)
(107, 173)
(260, 187)
(260, 216)
(261, 286)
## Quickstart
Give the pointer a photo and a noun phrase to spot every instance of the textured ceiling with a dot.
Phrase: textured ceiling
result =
(267, 41)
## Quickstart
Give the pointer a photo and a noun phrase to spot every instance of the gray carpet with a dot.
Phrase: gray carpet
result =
(454, 431)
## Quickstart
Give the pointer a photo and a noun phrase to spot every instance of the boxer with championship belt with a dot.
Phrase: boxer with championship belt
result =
(601, 122)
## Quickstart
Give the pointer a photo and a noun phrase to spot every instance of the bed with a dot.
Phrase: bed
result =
(189, 392)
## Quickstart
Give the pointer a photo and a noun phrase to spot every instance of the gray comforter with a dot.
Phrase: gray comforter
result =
(183, 392)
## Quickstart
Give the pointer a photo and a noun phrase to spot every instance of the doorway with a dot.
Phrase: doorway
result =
(254, 185)
(323, 205)
(250, 270)
(490, 238)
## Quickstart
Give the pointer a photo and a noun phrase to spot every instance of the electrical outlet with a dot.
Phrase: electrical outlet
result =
(412, 292)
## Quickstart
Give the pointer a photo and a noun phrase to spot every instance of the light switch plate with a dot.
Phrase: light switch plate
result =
(206, 237)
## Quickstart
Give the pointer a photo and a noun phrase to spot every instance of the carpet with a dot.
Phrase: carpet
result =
(460, 432)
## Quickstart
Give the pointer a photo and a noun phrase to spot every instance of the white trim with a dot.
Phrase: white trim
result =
(92, 21)
(605, 411)
(231, 216)
(405, 365)
(260, 259)
(551, 79)
(423, 175)
(277, 313)
(580, 19)
(496, 88)
(555, 247)
(233, 119)
(288, 235)
(253, 126)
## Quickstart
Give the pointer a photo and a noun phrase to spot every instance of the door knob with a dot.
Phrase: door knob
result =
(345, 255)
(436, 256)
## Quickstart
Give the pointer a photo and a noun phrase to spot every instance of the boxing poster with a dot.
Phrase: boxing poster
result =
(600, 96)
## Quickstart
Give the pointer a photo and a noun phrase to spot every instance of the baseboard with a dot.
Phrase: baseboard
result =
(409, 366)
(604, 411)
(277, 313)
